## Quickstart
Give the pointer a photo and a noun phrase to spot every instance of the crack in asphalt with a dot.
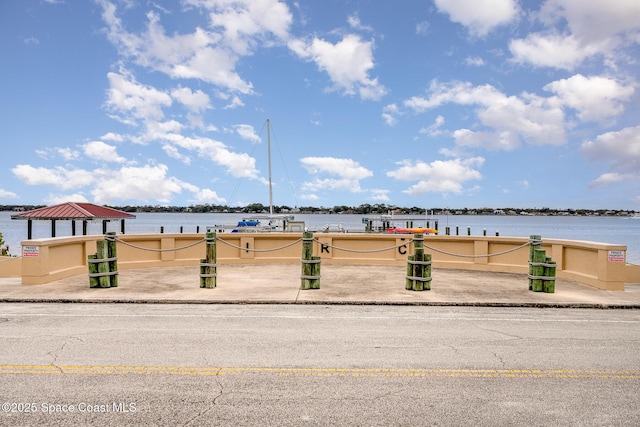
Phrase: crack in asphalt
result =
(213, 401)
(54, 353)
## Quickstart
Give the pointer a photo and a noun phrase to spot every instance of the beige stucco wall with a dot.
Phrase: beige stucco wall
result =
(46, 260)
(10, 266)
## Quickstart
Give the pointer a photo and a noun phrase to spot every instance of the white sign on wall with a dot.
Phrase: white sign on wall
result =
(616, 256)
(31, 251)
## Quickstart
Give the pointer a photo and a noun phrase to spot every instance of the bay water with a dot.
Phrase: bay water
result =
(604, 229)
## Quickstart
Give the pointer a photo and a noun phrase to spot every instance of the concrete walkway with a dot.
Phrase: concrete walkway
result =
(340, 284)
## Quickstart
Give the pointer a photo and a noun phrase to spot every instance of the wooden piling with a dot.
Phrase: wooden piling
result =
(93, 269)
(409, 281)
(113, 256)
(535, 242)
(104, 280)
(208, 265)
(539, 257)
(310, 278)
(427, 272)
(549, 285)
(418, 269)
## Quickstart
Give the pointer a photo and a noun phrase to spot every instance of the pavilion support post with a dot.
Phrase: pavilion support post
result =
(29, 229)
(73, 228)
(104, 226)
(122, 226)
(84, 227)
(53, 228)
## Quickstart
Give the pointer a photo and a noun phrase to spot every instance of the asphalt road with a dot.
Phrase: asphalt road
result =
(110, 364)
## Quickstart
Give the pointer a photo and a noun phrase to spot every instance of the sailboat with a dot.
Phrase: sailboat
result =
(270, 222)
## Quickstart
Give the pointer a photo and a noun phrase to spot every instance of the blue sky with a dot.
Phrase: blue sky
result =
(443, 103)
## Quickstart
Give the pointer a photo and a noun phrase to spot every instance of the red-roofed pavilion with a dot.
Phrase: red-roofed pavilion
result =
(71, 211)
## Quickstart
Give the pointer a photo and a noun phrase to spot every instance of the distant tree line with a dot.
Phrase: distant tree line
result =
(363, 209)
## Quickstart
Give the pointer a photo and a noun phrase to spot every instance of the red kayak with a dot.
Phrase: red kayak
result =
(415, 230)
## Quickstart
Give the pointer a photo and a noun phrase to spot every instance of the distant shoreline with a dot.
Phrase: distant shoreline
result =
(376, 209)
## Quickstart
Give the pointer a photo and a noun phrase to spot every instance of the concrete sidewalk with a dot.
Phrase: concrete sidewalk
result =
(340, 284)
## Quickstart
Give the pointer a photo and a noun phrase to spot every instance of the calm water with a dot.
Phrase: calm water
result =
(618, 230)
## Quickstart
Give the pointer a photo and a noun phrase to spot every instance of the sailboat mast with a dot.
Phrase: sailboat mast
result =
(270, 185)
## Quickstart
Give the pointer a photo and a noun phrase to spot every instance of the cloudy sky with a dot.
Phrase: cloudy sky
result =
(442, 103)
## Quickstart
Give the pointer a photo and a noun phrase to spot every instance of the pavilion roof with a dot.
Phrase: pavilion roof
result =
(73, 211)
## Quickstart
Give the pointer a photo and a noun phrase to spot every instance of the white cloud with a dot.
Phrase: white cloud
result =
(239, 165)
(98, 150)
(559, 51)
(211, 55)
(434, 129)
(611, 178)
(596, 98)
(348, 172)
(58, 176)
(195, 102)
(593, 28)
(422, 28)
(244, 22)
(56, 199)
(505, 140)
(247, 132)
(438, 176)
(380, 195)
(621, 149)
(354, 22)
(111, 136)
(390, 114)
(206, 195)
(127, 98)
(529, 117)
(595, 21)
(348, 63)
(479, 16)
(148, 183)
(5, 194)
(474, 61)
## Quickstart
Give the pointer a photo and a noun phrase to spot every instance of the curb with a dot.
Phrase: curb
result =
(329, 302)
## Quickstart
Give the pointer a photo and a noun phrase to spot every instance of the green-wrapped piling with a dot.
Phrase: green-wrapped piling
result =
(93, 269)
(539, 257)
(418, 269)
(310, 278)
(549, 285)
(208, 265)
(104, 281)
(113, 255)
(535, 243)
(427, 272)
(409, 281)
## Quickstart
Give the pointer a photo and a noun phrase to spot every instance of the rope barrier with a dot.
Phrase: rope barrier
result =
(114, 238)
(158, 250)
(478, 256)
(361, 250)
(259, 250)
